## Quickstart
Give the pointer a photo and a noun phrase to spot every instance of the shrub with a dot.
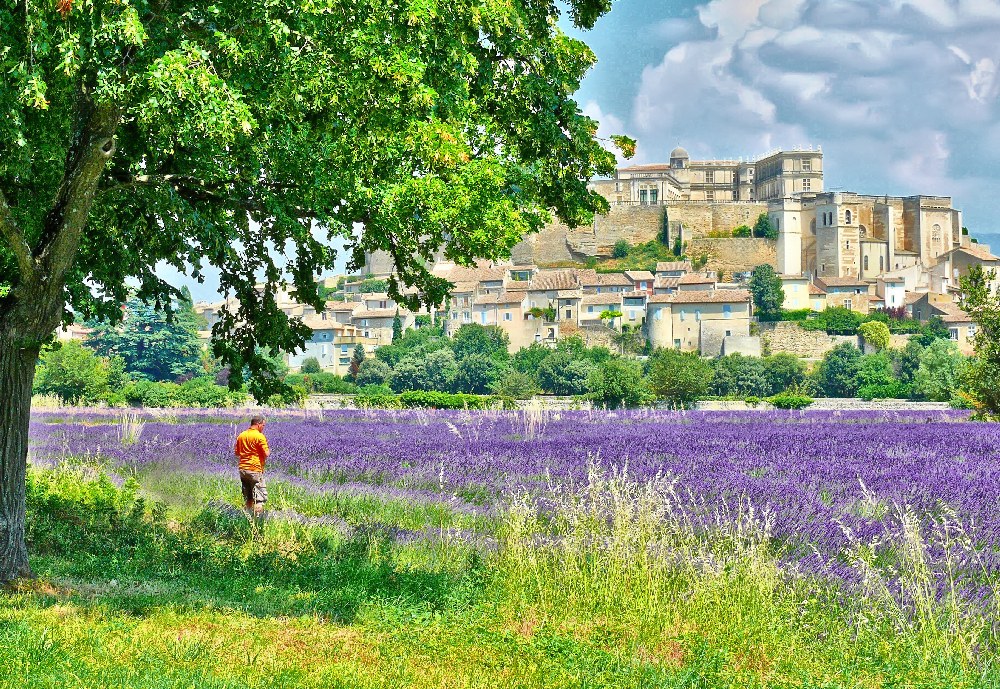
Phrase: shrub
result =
(373, 372)
(875, 333)
(743, 231)
(377, 397)
(516, 385)
(678, 378)
(790, 400)
(146, 393)
(884, 391)
(620, 249)
(618, 383)
(430, 399)
(72, 372)
(310, 365)
(202, 392)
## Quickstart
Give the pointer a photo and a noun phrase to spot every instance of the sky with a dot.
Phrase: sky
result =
(903, 96)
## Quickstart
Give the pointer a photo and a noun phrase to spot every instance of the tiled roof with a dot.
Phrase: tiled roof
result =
(815, 290)
(504, 297)
(568, 294)
(606, 298)
(841, 282)
(979, 252)
(696, 279)
(951, 313)
(318, 323)
(611, 280)
(342, 305)
(637, 294)
(635, 275)
(660, 299)
(650, 166)
(546, 281)
(718, 296)
(671, 266)
(913, 297)
(377, 313)
(664, 282)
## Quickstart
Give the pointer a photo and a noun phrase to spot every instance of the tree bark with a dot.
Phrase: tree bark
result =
(17, 370)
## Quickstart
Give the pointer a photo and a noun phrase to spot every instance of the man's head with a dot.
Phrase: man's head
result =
(257, 422)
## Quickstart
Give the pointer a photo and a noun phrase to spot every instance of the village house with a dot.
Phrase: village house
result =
(847, 292)
(332, 345)
(698, 321)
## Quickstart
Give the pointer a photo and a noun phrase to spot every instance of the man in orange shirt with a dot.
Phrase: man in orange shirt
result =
(252, 451)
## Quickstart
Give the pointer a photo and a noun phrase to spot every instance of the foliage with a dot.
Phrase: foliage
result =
(763, 227)
(940, 371)
(790, 400)
(875, 333)
(310, 365)
(678, 378)
(434, 371)
(373, 372)
(629, 339)
(906, 361)
(620, 249)
(444, 400)
(397, 327)
(619, 383)
(643, 256)
(377, 397)
(784, 371)
(154, 345)
(743, 231)
(610, 315)
(740, 376)
(515, 385)
(477, 373)
(191, 130)
(528, 359)
(561, 374)
(72, 372)
(875, 369)
(490, 341)
(982, 303)
(357, 361)
(323, 382)
(892, 390)
(768, 295)
(836, 375)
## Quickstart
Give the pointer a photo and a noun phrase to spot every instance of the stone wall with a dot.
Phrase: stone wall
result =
(700, 219)
(786, 336)
(735, 255)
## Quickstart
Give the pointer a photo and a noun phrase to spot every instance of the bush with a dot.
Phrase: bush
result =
(429, 399)
(146, 393)
(885, 391)
(790, 400)
(72, 372)
(322, 382)
(310, 365)
(619, 383)
(743, 231)
(202, 392)
(678, 378)
(376, 397)
(373, 372)
(516, 385)
(620, 249)
(875, 333)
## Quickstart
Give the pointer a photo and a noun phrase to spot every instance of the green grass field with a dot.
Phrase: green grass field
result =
(143, 586)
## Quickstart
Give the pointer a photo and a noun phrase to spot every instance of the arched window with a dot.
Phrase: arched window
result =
(862, 231)
(936, 233)
(812, 226)
(847, 217)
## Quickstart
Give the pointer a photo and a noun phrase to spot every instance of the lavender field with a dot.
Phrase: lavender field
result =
(863, 511)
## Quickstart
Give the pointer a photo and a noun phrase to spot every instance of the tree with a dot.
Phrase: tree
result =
(940, 371)
(516, 385)
(397, 327)
(433, 371)
(763, 227)
(372, 372)
(74, 373)
(768, 295)
(629, 339)
(472, 338)
(610, 315)
(619, 383)
(310, 365)
(837, 374)
(678, 377)
(477, 373)
(743, 231)
(982, 303)
(875, 334)
(189, 133)
(620, 249)
(155, 346)
(740, 375)
(357, 360)
(784, 371)
(528, 359)
(561, 374)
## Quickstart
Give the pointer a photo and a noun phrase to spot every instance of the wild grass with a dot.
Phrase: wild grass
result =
(614, 583)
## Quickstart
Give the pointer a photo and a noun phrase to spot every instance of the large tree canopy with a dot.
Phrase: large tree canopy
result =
(249, 135)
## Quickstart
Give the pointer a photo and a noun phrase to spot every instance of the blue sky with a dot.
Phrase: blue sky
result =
(902, 95)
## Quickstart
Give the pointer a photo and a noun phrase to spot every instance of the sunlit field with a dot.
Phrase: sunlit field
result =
(511, 549)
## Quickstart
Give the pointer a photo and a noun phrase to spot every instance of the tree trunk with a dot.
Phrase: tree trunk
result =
(17, 370)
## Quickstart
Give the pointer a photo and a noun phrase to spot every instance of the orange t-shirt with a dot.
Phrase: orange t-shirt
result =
(251, 448)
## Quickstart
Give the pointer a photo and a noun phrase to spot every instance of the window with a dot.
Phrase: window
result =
(953, 333)
(807, 185)
(881, 263)
(866, 263)
(806, 167)
(364, 322)
(710, 177)
(657, 314)
(812, 226)
(848, 304)
(507, 316)
(466, 317)
(643, 197)
(677, 343)
(590, 309)
(631, 315)
(710, 195)
(972, 330)
(343, 349)
(727, 311)
(697, 314)
(936, 233)
(482, 317)
(344, 360)
(729, 333)
(683, 314)
(325, 351)
(569, 313)
(653, 196)
(848, 245)
(847, 217)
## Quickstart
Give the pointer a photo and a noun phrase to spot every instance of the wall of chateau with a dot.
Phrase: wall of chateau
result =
(735, 255)
(701, 219)
(786, 336)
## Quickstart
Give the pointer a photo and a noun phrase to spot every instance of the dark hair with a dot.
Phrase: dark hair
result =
(254, 420)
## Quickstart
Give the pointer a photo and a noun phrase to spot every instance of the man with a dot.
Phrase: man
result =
(252, 451)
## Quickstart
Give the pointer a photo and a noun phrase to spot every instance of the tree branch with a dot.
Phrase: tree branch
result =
(15, 239)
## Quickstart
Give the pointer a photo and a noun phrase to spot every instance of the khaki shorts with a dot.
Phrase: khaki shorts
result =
(254, 488)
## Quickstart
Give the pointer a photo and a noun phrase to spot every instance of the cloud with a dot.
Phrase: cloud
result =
(898, 93)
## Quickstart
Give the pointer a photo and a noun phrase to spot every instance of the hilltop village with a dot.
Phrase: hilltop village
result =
(865, 253)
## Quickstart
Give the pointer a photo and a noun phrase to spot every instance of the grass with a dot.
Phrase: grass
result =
(613, 585)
